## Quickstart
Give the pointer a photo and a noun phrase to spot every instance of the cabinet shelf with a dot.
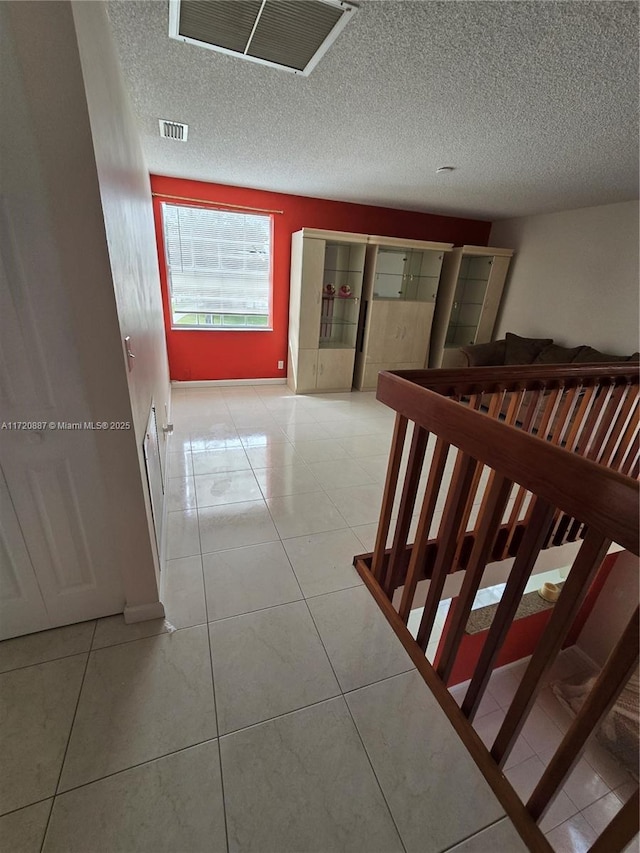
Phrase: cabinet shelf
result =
(331, 297)
(336, 321)
(327, 343)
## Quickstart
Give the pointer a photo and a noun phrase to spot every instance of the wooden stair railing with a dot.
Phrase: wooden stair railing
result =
(540, 456)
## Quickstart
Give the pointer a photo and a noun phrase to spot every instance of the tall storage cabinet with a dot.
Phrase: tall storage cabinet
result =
(327, 271)
(400, 288)
(469, 297)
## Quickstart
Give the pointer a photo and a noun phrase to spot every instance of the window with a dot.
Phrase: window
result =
(218, 268)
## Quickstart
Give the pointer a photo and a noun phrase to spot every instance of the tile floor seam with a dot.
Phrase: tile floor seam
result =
(215, 705)
(474, 834)
(66, 749)
(171, 630)
(28, 806)
(131, 767)
(375, 775)
(48, 660)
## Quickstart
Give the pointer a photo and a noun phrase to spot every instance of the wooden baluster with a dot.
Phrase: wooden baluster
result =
(622, 829)
(575, 431)
(516, 400)
(559, 427)
(548, 412)
(490, 517)
(595, 416)
(628, 439)
(407, 502)
(447, 542)
(390, 486)
(585, 567)
(609, 414)
(419, 551)
(620, 422)
(528, 551)
(615, 674)
(563, 418)
(492, 412)
(529, 419)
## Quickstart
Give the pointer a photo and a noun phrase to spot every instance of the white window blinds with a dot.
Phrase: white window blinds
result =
(218, 266)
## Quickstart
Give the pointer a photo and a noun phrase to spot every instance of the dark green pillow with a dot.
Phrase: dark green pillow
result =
(555, 354)
(524, 350)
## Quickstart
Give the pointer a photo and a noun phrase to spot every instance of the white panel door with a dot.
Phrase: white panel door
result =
(54, 477)
(22, 609)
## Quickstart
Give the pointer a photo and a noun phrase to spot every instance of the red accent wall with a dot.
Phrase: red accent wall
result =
(199, 355)
(523, 635)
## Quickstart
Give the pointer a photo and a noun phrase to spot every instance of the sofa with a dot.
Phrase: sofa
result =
(513, 349)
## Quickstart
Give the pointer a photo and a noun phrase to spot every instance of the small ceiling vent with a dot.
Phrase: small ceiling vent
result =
(173, 130)
(289, 34)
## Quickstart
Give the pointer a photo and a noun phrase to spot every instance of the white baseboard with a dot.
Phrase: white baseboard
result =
(218, 383)
(144, 612)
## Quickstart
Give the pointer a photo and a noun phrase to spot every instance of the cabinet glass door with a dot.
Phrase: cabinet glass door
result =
(341, 292)
(468, 300)
(407, 274)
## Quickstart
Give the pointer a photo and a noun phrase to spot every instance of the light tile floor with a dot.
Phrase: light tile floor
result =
(273, 709)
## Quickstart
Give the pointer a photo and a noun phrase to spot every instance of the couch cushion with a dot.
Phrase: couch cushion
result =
(555, 354)
(524, 350)
(482, 355)
(589, 355)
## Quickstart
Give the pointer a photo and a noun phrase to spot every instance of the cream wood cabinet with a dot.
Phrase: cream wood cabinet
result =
(327, 271)
(469, 297)
(400, 289)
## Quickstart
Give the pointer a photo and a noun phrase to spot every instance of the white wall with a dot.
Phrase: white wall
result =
(574, 277)
(613, 609)
(125, 194)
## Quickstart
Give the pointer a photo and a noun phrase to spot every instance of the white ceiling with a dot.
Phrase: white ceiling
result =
(534, 103)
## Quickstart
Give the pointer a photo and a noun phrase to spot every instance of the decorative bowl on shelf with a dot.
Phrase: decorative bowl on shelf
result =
(330, 289)
(549, 592)
(345, 290)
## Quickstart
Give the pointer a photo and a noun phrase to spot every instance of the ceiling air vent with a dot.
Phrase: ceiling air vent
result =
(173, 130)
(288, 34)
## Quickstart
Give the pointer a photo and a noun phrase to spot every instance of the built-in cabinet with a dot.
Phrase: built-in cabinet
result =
(468, 300)
(327, 270)
(399, 293)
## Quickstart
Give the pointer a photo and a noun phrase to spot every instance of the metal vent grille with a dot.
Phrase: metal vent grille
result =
(173, 130)
(289, 34)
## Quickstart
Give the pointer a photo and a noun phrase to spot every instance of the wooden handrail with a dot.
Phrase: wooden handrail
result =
(452, 382)
(558, 444)
(605, 500)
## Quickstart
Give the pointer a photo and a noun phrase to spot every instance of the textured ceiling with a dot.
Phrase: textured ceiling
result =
(534, 103)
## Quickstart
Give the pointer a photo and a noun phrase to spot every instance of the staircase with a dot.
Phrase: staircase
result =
(500, 464)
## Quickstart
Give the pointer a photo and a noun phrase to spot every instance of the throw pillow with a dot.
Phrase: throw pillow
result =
(524, 350)
(589, 355)
(481, 355)
(555, 354)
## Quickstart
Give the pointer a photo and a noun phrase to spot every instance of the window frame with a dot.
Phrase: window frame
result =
(211, 327)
